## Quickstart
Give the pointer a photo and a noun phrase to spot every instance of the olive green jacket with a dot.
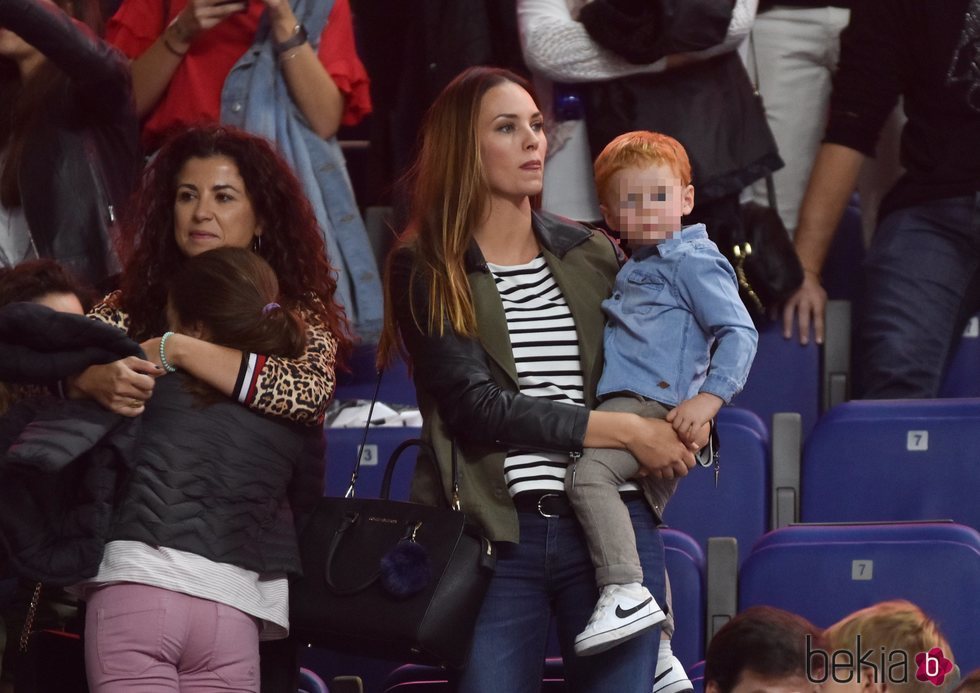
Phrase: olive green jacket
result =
(468, 390)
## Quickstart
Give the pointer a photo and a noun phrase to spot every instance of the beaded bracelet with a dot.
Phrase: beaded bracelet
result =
(163, 356)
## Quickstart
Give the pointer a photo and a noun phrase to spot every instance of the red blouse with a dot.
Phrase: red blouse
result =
(194, 93)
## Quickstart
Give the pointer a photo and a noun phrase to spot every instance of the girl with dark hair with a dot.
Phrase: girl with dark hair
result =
(229, 296)
(194, 573)
(69, 148)
(497, 307)
(215, 187)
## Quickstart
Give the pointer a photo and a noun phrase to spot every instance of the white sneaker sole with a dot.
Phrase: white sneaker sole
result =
(682, 686)
(600, 642)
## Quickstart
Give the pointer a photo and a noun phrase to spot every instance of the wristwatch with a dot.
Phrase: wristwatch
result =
(298, 38)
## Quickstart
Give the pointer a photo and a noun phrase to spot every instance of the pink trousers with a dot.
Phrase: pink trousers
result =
(151, 640)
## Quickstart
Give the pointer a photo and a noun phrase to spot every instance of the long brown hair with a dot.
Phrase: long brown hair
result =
(449, 199)
(24, 101)
(290, 242)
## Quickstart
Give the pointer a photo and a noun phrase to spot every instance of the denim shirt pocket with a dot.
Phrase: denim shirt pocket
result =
(643, 292)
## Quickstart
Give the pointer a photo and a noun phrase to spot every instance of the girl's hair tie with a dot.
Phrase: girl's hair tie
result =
(269, 307)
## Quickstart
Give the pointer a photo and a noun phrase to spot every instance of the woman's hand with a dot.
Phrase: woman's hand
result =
(199, 16)
(659, 450)
(122, 387)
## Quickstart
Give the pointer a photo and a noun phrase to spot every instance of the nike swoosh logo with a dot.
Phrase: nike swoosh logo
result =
(626, 613)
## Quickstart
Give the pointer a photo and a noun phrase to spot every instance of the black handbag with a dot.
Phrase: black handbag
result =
(391, 579)
(765, 261)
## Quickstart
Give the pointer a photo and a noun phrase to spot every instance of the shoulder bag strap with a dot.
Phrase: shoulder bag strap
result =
(770, 186)
(455, 503)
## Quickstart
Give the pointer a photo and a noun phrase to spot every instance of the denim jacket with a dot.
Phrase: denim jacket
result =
(670, 304)
(255, 98)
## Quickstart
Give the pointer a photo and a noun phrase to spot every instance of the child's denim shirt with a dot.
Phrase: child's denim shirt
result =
(670, 303)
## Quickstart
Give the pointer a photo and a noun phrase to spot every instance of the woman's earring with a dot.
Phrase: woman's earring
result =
(256, 243)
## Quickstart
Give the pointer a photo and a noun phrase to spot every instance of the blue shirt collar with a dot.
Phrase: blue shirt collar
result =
(693, 232)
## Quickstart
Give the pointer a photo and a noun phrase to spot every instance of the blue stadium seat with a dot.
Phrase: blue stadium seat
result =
(962, 377)
(361, 379)
(342, 445)
(824, 572)
(686, 569)
(789, 377)
(330, 665)
(892, 460)
(785, 376)
(740, 506)
(310, 682)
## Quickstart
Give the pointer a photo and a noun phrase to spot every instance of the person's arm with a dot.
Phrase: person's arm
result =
(88, 61)
(457, 374)
(123, 386)
(296, 389)
(155, 67)
(558, 47)
(310, 85)
(654, 443)
(834, 176)
(706, 283)
(867, 85)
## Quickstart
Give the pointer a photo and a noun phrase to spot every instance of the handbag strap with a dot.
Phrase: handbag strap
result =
(349, 493)
(25, 631)
(770, 184)
(390, 467)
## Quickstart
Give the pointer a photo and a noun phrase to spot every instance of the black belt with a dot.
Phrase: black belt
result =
(554, 504)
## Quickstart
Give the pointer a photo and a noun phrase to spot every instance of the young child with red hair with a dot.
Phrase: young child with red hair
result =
(674, 301)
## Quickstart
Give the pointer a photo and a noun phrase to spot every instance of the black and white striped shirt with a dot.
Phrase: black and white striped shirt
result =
(545, 345)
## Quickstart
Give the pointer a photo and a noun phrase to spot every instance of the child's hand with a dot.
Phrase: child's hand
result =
(690, 415)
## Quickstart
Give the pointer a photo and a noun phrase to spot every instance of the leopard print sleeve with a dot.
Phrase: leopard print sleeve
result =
(295, 389)
(108, 311)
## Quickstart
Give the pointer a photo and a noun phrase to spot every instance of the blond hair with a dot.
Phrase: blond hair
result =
(640, 148)
(892, 625)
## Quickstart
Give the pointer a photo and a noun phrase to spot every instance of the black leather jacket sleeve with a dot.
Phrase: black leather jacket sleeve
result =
(98, 71)
(455, 372)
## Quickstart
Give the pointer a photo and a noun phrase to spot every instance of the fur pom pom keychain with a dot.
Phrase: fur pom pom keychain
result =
(405, 570)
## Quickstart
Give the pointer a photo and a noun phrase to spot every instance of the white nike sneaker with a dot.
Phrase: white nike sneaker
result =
(671, 678)
(623, 612)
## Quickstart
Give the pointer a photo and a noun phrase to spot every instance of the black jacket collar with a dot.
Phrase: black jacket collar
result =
(556, 234)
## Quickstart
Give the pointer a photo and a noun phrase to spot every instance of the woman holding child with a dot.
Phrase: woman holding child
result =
(498, 309)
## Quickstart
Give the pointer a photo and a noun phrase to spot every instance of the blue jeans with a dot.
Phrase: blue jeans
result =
(550, 573)
(922, 286)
